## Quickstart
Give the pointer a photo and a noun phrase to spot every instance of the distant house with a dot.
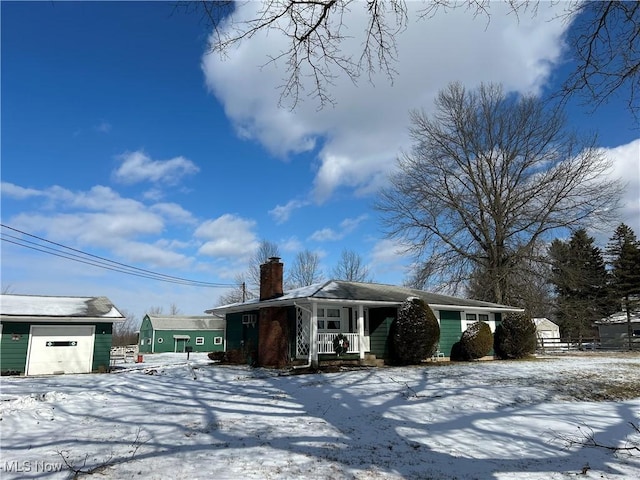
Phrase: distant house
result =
(280, 328)
(175, 333)
(614, 330)
(43, 335)
(545, 328)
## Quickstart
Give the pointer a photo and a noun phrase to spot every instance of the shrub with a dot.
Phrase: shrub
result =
(477, 340)
(515, 337)
(457, 353)
(415, 333)
(217, 356)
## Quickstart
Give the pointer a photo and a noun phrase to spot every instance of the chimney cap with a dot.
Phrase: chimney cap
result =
(274, 259)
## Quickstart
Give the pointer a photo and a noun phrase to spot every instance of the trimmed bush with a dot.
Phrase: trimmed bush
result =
(457, 353)
(477, 340)
(415, 333)
(515, 337)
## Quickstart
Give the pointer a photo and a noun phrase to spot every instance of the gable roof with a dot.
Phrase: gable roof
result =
(51, 308)
(619, 317)
(372, 294)
(545, 324)
(182, 322)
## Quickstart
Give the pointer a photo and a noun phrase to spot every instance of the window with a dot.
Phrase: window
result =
(142, 342)
(483, 317)
(329, 319)
(148, 341)
(471, 317)
(217, 341)
(199, 340)
(636, 332)
(160, 340)
(249, 319)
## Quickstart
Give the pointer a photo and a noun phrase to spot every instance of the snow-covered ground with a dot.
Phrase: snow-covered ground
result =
(165, 419)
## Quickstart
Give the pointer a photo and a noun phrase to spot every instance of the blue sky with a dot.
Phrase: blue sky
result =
(123, 138)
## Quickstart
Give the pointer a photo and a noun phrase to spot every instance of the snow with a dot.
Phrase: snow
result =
(169, 418)
(40, 306)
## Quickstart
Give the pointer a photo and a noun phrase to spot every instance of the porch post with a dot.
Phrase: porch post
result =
(313, 341)
(361, 331)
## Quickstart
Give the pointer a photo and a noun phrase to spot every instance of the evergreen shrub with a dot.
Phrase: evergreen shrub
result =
(477, 340)
(415, 333)
(515, 337)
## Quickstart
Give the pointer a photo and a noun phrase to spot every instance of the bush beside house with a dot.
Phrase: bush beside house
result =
(415, 332)
(476, 342)
(515, 337)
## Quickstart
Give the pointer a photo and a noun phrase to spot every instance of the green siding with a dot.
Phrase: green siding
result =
(239, 335)
(450, 330)
(164, 341)
(13, 353)
(145, 336)
(380, 321)
(102, 347)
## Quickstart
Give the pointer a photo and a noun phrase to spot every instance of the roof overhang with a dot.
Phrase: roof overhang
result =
(182, 337)
(244, 307)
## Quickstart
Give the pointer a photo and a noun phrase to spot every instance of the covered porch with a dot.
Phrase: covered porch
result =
(318, 324)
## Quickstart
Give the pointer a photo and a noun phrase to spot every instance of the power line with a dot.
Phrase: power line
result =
(97, 261)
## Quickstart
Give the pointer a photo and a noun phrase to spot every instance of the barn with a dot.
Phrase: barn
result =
(45, 335)
(180, 333)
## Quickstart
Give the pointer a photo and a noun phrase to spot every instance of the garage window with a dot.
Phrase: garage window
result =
(199, 340)
(217, 341)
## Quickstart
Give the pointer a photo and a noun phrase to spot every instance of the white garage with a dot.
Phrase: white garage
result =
(60, 349)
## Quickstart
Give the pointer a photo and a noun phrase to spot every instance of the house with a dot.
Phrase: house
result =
(280, 328)
(545, 328)
(614, 330)
(175, 333)
(44, 335)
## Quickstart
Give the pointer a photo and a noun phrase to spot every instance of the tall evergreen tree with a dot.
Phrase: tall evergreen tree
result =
(623, 254)
(580, 279)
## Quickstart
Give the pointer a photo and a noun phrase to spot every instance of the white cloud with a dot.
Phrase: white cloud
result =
(139, 167)
(100, 218)
(362, 135)
(174, 212)
(326, 234)
(18, 192)
(282, 213)
(626, 166)
(228, 236)
(347, 226)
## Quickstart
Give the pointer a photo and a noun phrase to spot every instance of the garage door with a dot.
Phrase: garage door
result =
(60, 349)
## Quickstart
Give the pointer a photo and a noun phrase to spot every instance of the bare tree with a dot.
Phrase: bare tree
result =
(156, 310)
(174, 310)
(490, 176)
(528, 283)
(606, 46)
(604, 43)
(238, 294)
(305, 270)
(265, 251)
(125, 333)
(351, 268)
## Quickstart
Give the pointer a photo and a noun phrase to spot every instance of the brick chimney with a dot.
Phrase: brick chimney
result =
(271, 279)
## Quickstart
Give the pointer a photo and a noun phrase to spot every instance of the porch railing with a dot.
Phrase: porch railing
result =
(325, 342)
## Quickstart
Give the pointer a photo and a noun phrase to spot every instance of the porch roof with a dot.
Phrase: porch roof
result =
(372, 294)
